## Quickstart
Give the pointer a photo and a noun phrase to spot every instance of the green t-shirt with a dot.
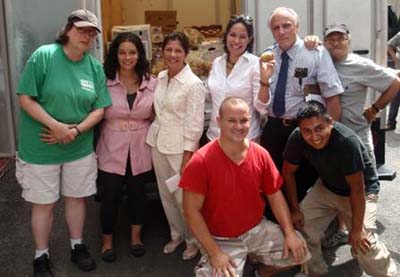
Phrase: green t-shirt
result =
(68, 91)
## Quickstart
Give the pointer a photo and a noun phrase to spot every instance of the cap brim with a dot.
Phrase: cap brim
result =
(87, 24)
(337, 30)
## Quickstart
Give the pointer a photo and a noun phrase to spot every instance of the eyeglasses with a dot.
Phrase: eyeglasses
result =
(339, 40)
(91, 32)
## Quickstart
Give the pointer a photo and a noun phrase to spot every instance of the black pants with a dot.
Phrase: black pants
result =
(274, 138)
(394, 110)
(111, 187)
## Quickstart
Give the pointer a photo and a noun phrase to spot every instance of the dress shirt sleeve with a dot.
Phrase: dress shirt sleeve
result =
(258, 105)
(193, 123)
(394, 41)
(376, 76)
(327, 76)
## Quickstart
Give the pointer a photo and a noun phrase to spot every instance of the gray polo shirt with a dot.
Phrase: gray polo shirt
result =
(357, 74)
(320, 70)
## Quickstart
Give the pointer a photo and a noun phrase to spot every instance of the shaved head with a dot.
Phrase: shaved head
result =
(231, 101)
(234, 120)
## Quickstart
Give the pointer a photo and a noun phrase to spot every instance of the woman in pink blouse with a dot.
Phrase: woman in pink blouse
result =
(123, 156)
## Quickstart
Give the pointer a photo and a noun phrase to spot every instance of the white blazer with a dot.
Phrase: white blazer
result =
(179, 109)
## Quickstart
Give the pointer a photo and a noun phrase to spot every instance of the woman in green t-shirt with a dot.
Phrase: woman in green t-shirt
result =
(62, 94)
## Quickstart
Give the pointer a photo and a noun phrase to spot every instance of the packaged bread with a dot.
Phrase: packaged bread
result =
(195, 37)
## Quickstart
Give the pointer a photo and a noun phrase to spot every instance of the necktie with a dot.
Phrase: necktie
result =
(278, 105)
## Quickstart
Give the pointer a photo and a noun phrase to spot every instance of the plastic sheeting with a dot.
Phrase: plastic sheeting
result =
(27, 25)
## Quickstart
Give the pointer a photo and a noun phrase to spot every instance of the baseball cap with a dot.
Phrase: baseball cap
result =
(84, 18)
(341, 28)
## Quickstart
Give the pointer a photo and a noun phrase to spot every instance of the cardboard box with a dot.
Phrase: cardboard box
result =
(165, 19)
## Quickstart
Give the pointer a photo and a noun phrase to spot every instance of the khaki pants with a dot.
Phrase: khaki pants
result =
(264, 241)
(166, 166)
(320, 207)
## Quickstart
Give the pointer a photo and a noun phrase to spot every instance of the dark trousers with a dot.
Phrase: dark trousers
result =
(394, 109)
(111, 187)
(274, 138)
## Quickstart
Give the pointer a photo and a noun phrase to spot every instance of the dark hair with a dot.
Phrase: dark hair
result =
(312, 109)
(62, 37)
(247, 21)
(179, 36)
(111, 64)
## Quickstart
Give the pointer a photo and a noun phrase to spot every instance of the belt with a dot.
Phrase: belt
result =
(287, 122)
(125, 124)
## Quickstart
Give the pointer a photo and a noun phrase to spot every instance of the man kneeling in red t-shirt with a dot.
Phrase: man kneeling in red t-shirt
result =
(223, 202)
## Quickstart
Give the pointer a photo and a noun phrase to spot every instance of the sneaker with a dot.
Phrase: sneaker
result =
(340, 237)
(41, 267)
(81, 257)
(390, 126)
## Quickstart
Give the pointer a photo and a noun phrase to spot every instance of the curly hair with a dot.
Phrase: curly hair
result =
(247, 21)
(111, 64)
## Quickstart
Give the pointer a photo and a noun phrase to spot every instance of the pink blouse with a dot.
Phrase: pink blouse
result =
(124, 130)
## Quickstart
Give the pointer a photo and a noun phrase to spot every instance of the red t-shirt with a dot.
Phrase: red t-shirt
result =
(234, 201)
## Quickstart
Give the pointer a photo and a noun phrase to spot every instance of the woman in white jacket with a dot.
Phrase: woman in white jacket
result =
(175, 133)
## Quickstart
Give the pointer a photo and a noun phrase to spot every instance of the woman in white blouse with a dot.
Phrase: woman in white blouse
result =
(236, 73)
(175, 133)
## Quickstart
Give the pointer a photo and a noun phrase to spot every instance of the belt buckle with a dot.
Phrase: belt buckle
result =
(287, 122)
(132, 125)
(123, 125)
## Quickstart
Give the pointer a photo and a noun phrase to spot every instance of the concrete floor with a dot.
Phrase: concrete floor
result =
(16, 247)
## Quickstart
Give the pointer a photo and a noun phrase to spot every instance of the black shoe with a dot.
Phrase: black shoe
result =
(138, 250)
(41, 267)
(81, 257)
(109, 256)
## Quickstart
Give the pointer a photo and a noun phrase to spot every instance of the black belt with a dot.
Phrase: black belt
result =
(287, 122)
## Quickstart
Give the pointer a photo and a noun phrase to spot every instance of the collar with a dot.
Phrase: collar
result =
(292, 51)
(246, 55)
(145, 83)
(180, 77)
